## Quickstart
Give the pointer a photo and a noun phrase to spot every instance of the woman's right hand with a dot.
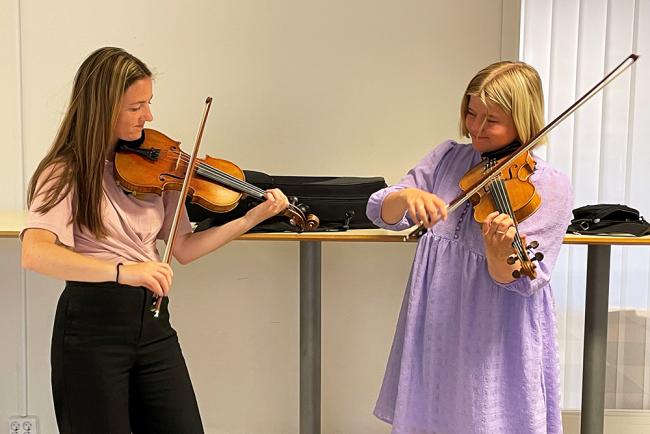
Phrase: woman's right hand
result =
(155, 276)
(423, 207)
(42, 254)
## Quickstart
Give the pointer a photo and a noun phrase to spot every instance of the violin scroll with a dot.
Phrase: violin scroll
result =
(526, 258)
(300, 216)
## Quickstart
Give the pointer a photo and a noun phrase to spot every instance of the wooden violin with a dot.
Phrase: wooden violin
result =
(511, 193)
(156, 163)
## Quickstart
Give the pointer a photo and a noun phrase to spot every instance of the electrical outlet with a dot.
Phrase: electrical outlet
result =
(23, 425)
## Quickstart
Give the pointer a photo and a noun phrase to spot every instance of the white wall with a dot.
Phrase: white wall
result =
(355, 87)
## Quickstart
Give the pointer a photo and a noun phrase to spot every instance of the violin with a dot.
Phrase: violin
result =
(156, 163)
(500, 186)
(511, 193)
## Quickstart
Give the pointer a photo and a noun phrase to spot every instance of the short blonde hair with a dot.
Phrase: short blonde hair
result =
(516, 88)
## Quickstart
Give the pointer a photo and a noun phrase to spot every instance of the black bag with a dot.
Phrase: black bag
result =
(605, 219)
(338, 202)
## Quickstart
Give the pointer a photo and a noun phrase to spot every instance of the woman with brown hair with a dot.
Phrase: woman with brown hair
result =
(115, 368)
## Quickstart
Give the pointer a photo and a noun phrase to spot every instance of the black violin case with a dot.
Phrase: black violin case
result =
(338, 202)
(607, 219)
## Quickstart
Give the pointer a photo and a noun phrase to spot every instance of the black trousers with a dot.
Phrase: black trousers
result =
(115, 368)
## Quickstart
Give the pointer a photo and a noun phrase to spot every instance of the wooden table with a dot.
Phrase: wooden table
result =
(596, 309)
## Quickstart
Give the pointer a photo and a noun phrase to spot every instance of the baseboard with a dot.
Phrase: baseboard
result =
(616, 421)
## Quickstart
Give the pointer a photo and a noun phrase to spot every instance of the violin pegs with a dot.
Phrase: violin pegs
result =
(538, 256)
(516, 274)
(511, 259)
(533, 245)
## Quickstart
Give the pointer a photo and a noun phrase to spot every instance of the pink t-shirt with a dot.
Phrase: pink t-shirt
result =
(133, 222)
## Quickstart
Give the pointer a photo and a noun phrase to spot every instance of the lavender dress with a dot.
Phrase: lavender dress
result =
(471, 355)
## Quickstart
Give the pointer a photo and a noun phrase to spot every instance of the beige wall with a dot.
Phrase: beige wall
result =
(11, 190)
(355, 87)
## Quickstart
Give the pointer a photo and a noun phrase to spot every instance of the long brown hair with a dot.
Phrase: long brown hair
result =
(83, 139)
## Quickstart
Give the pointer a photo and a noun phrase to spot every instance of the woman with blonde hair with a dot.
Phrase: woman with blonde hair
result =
(115, 368)
(475, 349)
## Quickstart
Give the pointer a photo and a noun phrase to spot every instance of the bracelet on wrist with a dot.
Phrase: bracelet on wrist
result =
(117, 276)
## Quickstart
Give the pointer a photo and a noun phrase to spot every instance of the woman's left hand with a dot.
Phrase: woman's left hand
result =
(275, 203)
(498, 234)
(499, 231)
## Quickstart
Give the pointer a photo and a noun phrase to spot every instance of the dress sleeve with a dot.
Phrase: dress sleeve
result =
(421, 176)
(58, 219)
(170, 201)
(547, 226)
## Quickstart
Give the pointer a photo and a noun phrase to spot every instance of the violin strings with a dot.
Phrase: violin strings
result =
(500, 195)
(503, 202)
(219, 175)
(208, 170)
(212, 172)
(504, 205)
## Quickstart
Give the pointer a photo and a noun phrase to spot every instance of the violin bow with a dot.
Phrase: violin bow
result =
(167, 257)
(497, 169)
